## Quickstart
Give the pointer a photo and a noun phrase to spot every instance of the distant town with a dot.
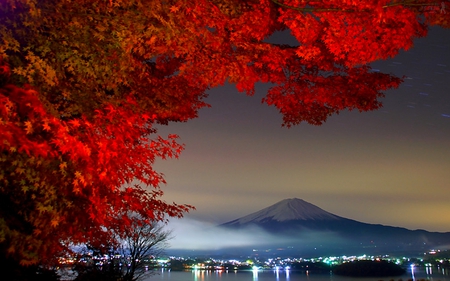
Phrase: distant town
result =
(433, 258)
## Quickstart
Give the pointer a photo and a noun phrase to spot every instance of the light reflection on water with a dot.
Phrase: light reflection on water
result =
(413, 274)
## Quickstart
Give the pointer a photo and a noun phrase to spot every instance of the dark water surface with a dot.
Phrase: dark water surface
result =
(416, 274)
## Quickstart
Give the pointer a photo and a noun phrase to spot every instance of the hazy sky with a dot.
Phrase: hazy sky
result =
(390, 166)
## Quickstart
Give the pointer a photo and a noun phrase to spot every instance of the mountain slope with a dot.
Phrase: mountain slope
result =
(287, 210)
(297, 219)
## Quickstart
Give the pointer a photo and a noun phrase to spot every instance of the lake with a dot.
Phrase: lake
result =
(416, 274)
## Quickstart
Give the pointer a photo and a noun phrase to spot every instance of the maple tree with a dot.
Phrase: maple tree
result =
(75, 180)
(84, 82)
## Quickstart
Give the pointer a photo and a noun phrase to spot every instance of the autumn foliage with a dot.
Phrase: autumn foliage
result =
(84, 82)
(76, 179)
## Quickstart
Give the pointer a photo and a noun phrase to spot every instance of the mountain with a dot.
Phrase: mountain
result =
(299, 224)
(286, 210)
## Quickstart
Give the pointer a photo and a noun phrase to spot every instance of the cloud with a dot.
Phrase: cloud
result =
(190, 234)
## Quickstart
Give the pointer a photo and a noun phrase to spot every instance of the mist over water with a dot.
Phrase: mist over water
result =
(189, 234)
(192, 234)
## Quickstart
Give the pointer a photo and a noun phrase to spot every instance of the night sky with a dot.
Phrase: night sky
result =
(390, 166)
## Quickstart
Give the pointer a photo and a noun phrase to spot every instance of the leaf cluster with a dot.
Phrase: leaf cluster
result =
(71, 181)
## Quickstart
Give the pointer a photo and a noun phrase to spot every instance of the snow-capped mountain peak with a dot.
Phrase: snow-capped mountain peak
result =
(287, 210)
